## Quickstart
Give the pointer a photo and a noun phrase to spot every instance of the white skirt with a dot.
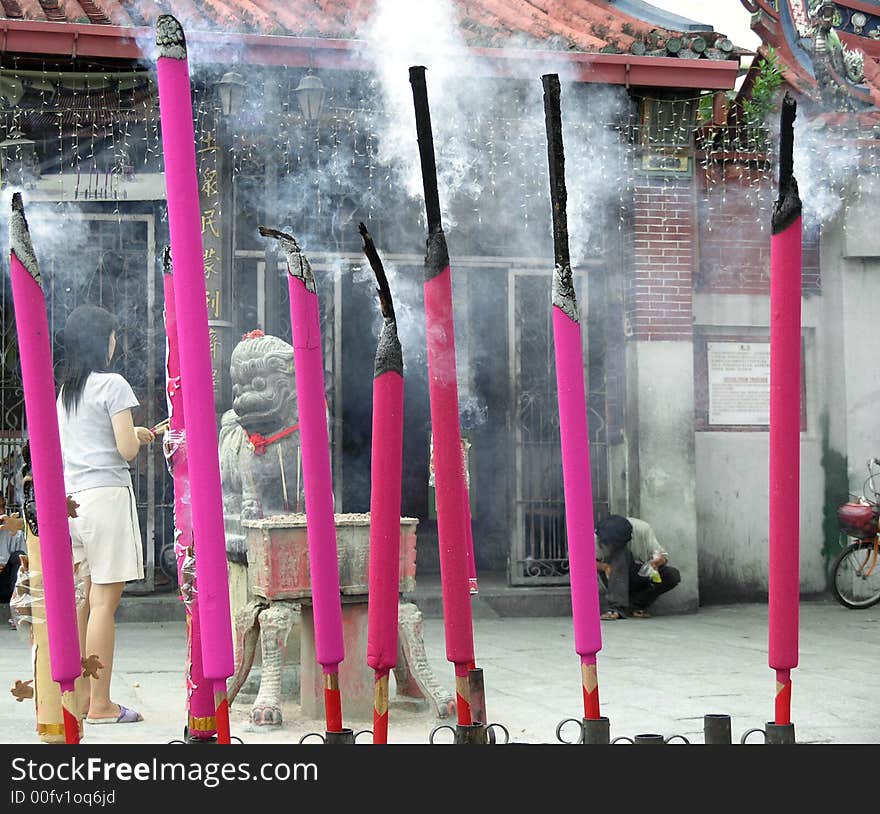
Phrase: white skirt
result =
(106, 535)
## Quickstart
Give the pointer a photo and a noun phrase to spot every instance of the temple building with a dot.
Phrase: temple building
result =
(303, 121)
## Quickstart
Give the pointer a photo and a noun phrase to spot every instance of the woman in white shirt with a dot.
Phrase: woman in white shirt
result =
(98, 439)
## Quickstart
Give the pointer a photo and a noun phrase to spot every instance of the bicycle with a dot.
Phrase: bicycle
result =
(855, 572)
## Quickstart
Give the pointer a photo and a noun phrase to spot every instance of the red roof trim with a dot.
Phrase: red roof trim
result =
(868, 8)
(871, 48)
(107, 41)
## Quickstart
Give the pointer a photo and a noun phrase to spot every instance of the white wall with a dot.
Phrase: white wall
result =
(732, 471)
(660, 435)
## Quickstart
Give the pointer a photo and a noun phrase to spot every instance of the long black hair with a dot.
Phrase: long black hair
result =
(86, 341)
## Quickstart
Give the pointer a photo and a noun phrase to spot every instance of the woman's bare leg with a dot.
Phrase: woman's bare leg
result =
(100, 639)
(83, 688)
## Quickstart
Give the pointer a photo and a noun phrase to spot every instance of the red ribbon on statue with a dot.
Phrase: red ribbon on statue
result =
(261, 442)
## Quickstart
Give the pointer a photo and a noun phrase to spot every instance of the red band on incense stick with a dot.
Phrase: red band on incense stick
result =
(450, 491)
(782, 706)
(785, 396)
(35, 355)
(200, 695)
(463, 695)
(573, 427)
(221, 704)
(184, 223)
(332, 705)
(591, 690)
(71, 726)
(380, 708)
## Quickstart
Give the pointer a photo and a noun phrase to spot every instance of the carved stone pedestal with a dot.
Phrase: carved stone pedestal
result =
(416, 684)
(279, 574)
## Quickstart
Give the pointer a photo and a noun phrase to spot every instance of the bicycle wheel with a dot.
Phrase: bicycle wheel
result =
(855, 576)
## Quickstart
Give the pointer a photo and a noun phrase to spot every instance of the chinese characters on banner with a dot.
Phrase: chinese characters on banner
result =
(212, 241)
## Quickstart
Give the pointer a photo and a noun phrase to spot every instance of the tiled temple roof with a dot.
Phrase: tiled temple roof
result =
(609, 26)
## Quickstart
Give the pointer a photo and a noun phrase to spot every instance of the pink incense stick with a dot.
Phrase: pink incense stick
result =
(200, 693)
(450, 489)
(785, 420)
(184, 223)
(308, 363)
(386, 474)
(35, 353)
(573, 425)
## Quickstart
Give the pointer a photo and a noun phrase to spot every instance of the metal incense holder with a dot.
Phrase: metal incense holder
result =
(716, 729)
(773, 733)
(472, 733)
(650, 738)
(188, 739)
(345, 735)
(590, 730)
(479, 731)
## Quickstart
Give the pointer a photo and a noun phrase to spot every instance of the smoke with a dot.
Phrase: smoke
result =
(489, 136)
(401, 34)
(825, 166)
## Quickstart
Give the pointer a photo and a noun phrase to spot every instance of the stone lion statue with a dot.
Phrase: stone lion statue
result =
(260, 460)
(261, 474)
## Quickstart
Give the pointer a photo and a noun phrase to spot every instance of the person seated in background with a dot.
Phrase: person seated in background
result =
(633, 566)
(12, 546)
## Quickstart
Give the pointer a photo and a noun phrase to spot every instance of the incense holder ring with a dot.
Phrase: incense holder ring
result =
(773, 733)
(363, 732)
(344, 735)
(472, 733)
(561, 724)
(649, 738)
(592, 731)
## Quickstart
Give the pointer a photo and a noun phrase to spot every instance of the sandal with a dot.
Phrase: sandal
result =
(126, 716)
(640, 613)
(610, 616)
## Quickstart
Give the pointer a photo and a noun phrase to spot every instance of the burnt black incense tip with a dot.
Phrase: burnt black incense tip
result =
(786, 138)
(556, 162)
(170, 39)
(297, 263)
(20, 239)
(426, 147)
(266, 231)
(550, 81)
(384, 290)
(787, 208)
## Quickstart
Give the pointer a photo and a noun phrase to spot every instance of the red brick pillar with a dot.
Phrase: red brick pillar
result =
(659, 290)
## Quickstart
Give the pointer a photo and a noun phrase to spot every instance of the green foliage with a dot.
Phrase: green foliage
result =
(762, 100)
(761, 103)
(704, 108)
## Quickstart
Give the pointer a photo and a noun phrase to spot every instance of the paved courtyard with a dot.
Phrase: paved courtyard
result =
(656, 675)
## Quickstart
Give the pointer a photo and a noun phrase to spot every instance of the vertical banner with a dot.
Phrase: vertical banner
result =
(213, 226)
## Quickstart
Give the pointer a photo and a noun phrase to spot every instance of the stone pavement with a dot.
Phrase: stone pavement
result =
(656, 675)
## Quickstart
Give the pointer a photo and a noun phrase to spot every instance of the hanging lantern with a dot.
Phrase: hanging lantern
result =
(231, 89)
(18, 160)
(310, 92)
